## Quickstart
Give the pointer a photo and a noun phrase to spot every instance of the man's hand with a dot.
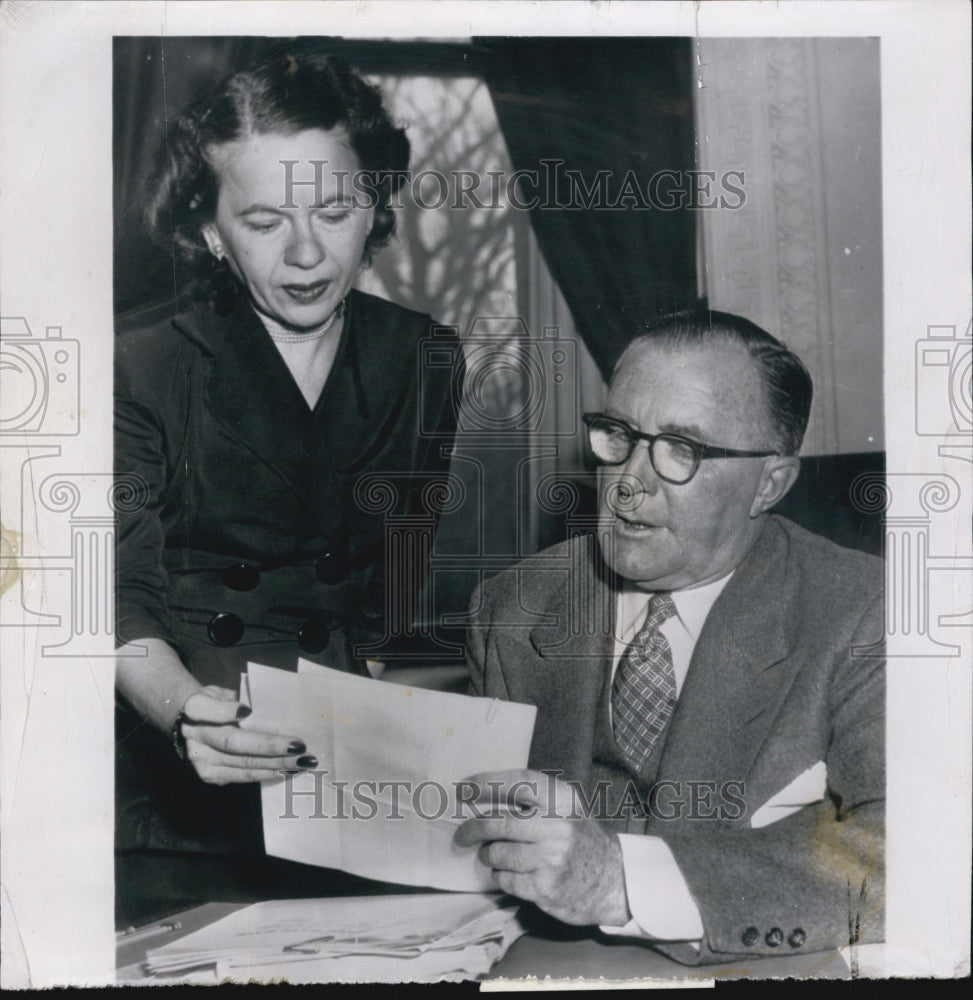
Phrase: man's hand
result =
(544, 850)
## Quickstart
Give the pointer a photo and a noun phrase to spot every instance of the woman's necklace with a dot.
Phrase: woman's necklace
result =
(282, 335)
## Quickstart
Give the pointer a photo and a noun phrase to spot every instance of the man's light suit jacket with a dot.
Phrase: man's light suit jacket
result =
(769, 783)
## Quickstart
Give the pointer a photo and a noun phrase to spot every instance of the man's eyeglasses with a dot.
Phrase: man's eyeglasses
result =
(674, 458)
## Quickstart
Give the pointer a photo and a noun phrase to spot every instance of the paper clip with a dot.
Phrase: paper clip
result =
(492, 709)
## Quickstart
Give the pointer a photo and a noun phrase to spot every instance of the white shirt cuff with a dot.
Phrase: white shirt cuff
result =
(662, 907)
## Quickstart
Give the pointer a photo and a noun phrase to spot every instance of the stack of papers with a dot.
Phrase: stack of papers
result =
(388, 794)
(399, 938)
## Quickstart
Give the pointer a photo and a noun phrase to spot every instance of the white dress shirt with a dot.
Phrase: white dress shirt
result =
(662, 907)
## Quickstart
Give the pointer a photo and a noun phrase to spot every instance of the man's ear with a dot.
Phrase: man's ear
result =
(779, 474)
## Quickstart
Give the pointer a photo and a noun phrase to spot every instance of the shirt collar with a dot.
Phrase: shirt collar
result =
(692, 606)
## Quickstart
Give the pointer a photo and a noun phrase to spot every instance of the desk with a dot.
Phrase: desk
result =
(549, 949)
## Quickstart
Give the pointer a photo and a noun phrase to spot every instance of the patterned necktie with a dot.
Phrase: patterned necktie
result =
(644, 690)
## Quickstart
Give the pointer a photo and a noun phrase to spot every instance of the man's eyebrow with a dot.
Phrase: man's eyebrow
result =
(622, 417)
(693, 431)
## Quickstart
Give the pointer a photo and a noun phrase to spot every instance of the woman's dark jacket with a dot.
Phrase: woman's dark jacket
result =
(251, 527)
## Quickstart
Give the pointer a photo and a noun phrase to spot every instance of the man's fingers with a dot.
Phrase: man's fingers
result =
(513, 828)
(504, 856)
(533, 791)
(515, 785)
(479, 831)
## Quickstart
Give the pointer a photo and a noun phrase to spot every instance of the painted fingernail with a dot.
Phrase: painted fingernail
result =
(243, 711)
(306, 762)
(291, 770)
(296, 746)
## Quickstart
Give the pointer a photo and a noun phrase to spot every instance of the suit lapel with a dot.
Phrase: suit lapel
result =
(740, 672)
(579, 616)
(573, 643)
(256, 402)
(375, 367)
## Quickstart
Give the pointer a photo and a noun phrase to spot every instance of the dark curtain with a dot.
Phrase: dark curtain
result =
(621, 105)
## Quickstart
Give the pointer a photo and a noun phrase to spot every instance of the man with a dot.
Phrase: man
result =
(708, 676)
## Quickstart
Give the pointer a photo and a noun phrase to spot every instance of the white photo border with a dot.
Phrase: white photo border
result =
(56, 271)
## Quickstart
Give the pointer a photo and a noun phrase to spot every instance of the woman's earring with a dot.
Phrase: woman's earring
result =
(218, 251)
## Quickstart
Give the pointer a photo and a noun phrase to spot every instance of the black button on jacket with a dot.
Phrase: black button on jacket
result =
(253, 527)
(253, 500)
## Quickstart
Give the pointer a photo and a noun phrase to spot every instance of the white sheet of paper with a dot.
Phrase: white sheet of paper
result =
(808, 787)
(383, 802)
(433, 965)
(312, 937)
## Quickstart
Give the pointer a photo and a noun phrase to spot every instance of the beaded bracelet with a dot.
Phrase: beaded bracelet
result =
(175, 734)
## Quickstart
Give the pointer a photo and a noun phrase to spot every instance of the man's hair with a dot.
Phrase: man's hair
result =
(788, 388)
(287, 93)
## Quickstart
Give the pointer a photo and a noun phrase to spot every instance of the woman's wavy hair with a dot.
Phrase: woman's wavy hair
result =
(287, 93)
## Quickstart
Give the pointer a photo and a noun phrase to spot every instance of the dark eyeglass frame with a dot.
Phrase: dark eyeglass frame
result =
(700, 450)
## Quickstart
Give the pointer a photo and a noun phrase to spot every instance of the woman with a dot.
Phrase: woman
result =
(246, 413)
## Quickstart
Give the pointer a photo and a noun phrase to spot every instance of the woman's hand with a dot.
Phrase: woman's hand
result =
(151, 676)
(224, 754)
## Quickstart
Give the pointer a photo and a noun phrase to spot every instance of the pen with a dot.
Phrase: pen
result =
(138, 933)
(391, 945)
